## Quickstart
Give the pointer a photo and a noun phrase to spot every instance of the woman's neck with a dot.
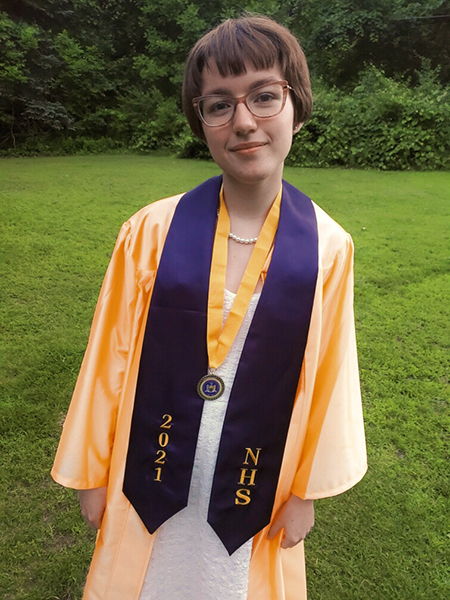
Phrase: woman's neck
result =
(249, 202)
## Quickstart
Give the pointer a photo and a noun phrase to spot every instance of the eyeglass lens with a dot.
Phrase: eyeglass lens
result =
(266, 101)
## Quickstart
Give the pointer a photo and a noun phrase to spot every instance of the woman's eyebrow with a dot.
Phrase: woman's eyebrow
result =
(222, 91)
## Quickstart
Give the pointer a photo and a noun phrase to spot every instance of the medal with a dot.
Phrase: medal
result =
(210, 387)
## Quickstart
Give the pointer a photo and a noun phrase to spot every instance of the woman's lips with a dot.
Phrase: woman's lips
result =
(247, 148)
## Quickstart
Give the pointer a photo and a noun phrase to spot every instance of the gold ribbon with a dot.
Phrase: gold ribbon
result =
(220, 340)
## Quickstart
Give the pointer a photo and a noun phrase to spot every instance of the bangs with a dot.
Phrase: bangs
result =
(234, 44)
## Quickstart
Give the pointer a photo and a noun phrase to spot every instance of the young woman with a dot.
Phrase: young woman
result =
(219, 394)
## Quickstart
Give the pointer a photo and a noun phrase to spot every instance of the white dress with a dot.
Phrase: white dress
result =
(188, 559)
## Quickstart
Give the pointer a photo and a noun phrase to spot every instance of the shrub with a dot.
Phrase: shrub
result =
(57, 146)
(164, 127)
(381, 123)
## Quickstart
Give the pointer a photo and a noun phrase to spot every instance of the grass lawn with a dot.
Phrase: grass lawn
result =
(389, 537)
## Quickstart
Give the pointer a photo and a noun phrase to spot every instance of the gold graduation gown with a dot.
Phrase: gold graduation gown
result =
(325, 448)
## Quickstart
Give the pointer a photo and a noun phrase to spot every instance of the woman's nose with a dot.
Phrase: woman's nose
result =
(243, 120)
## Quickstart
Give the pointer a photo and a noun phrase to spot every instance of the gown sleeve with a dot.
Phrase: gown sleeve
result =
(83, 456)
(334, 458)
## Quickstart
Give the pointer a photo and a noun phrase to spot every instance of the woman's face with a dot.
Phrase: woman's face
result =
(249, 149)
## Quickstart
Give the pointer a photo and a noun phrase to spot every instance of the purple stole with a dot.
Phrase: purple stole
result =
(167, 410)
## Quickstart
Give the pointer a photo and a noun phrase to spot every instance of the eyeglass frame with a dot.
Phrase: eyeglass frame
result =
(243, 99)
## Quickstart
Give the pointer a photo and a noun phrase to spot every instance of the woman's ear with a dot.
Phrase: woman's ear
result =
(297, 128)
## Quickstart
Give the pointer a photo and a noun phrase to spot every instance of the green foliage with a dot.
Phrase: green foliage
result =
(15, 41)
(341, 37)
(63, 146)
(82, 72)
(186, 145)
(381, 123)
(29, 67)
(163, 128)
(113, 70)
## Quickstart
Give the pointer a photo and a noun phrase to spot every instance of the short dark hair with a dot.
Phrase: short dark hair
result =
(259, 40)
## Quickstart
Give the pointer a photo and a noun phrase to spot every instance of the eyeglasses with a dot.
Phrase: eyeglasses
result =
(263, 102)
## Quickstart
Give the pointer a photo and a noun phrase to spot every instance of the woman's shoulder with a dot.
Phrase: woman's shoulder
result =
(155, 214)
(333, 239)
(147, 230)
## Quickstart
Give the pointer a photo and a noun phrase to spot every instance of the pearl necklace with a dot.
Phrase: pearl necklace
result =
(239, 240)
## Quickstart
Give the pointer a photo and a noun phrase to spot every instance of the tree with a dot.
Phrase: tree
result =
(342, 37)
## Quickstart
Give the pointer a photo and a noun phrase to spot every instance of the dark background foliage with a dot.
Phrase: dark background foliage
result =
(94, 75)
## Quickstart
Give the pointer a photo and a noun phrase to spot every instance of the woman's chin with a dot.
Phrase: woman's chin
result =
(253, 176)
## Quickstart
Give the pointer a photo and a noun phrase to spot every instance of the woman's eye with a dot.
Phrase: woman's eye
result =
(264, 98)
(219, 107)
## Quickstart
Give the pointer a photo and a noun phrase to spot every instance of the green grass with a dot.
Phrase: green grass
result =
(389, 537)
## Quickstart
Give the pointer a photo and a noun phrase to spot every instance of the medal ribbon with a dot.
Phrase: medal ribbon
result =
(221, 337)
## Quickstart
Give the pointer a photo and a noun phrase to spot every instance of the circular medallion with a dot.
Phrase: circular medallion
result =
(210, 387)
